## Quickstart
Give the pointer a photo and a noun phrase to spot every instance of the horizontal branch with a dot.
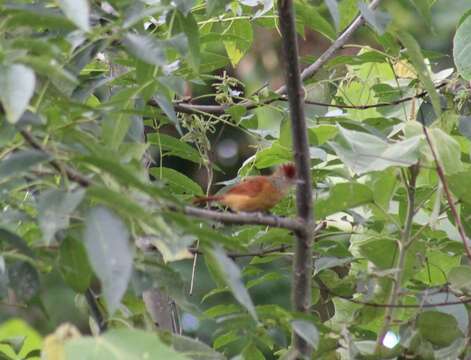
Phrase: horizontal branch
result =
(259, 253)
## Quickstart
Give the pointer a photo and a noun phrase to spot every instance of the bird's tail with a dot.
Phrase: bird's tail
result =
(200, 200)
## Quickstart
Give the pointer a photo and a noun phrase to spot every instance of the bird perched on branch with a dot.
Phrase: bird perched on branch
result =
(256, 193)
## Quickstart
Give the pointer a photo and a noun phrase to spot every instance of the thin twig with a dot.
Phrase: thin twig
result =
(95, 311)
(441, 175)
(403, 246)
(302, 262)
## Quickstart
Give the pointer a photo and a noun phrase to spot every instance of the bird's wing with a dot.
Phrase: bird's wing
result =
(251, 186)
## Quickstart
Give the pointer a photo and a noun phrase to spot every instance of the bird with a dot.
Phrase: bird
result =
(256, 193)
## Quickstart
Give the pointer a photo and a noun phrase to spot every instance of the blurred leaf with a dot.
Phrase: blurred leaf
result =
(416, 58)
(15, 327)
(187, 24)
(167, 107)
(250, 352)
(16, 343)
(378, 20)
(334, 12)
(230, 274)
(341, 197)
(459, 278)
(24, 280)
(174, 147)
(54, 210)
(184, 6)
(195, 349)
(423, 7)
(363, 152)
(465, 126)
(21, 161)
(17, 84)
(77, 11)
(74, 265)
(213, 7)
(274, 155)
(311, 18)
(176, 181)
(242, 31)
(447, 149)
(145, 48)
(462, 50)
(16, 241)
(119, 344)
(110, 253)
(438, 328)
(308, 331)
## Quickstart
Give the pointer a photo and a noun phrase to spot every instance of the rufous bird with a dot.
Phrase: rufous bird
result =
(256, 193)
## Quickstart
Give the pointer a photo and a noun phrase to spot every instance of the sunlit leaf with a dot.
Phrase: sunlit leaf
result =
(78, 11)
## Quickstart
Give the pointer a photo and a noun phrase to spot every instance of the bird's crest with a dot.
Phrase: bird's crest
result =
(289, 170)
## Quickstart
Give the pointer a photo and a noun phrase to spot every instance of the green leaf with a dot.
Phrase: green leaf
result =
(250, 352)
(174, 147)
(423, 7)
(236, 49)
(462, 49)
(145, 48)
(24, 280)
(231, 275)
(447, 149)
(438, 328)
(17, 84)
(310, 17)
(460, 278)
(364, 152)
(333, 8)
(213, 7)
(121, 344)
(306, 330)
(54, 210)
(176, 181)
(415, 55)
(21, 161)
(16, 241)
(77, 11)
(188, 25)
(376, 19)
(195, 349)
(184, 6)
(459, 185)
(73, 264)
(166, 105)
(274, 155)
(342, 197)
(110, 253)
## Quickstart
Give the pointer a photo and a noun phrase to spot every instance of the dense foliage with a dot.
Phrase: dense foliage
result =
(104, 123)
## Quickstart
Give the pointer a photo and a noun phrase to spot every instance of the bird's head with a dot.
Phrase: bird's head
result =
(285, 176)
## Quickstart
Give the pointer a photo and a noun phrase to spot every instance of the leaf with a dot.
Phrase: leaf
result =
(213, 7)
(306, 330)
(460, 278)
(343, 196)
(195, 349)
(174, 147)
(77, 11)
(378, 20)
(447, 149)
(363, 152)
(465, 126)
(176, 181)
(416, 58)
(184, 6)
(250, 352)
(17, 84)
(438, 328)
(54, 210)
(188, 25)
(423, 7)
(462, 48)
(231, 275)
(24, 280)
(236, 49)
(21, 161)
(73, 264)
(167, 107)
(459, 185)
(16, 241)
(145, 48)
(310, 17)
(121, 344)
(17, 327)
(110, 253)
(334, 12)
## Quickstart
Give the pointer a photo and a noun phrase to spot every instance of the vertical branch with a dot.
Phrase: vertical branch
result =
(403, 245)
(302, 264)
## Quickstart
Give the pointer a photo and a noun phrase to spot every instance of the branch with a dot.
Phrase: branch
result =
(306, 74)
(302, 264)
(441, 175)
(403, 245)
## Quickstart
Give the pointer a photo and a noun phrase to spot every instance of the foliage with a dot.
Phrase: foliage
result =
(102, 130)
